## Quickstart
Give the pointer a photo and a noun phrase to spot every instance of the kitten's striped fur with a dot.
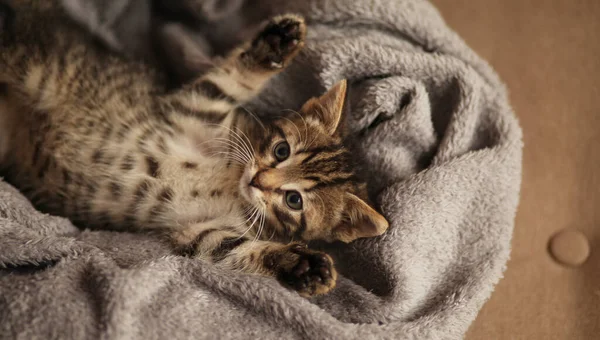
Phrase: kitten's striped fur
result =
(91, 136)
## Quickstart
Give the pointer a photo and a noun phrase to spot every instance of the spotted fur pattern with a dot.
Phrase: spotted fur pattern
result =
(94, 137)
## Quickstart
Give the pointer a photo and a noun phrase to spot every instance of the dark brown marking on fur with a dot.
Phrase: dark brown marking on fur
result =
(66, 177)
(116, 89)
(156, 211)
(91, 188)
(314, 178)
(107, 131)
(97, 156)
(165, 195)
(152, 166)
(195, 193)
(36, 152)
(115, 189)
(319, 150)
(190, 165)
(44, 167)
(284, 219)
(279, 131)
(333, 182)
(227, 245)
(190, 249)
(213, 91)
(162, 145)
(141, 142)
(122, 133)
(300, 231)
(128, 163)
(213, 117)
(140, 192)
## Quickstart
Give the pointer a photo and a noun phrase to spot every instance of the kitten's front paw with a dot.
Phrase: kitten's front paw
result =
(278, 43)
(309, 273)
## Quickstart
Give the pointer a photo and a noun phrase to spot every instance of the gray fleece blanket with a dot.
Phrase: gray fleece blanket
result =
(437, 136)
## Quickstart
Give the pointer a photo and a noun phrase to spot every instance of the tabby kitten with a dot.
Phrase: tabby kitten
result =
(96, 138)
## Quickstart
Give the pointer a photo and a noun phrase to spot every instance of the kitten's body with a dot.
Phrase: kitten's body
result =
(96, 138)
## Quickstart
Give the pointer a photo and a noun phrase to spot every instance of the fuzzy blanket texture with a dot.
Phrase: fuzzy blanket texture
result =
(431, 121)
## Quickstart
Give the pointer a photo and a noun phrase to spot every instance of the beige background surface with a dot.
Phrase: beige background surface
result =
(548, 52)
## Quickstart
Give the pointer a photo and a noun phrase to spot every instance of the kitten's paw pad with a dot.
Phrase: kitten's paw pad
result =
(279, 42)
(311, 274)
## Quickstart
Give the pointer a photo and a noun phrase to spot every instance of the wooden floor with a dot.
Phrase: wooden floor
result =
(548, 52)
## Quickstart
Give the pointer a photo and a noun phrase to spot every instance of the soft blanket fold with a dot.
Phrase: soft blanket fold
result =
(442, 148)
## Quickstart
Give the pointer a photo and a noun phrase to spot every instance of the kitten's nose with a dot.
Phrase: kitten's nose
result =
(255, 182)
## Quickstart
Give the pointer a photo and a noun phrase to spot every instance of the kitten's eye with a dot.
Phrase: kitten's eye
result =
(282, 151)
(293, 200)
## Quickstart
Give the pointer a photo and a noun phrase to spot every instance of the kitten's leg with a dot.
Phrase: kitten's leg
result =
(244, 73)
(51, 63)
(306, 271)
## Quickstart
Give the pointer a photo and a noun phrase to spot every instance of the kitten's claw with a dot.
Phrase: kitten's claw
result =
(278, 43)
(312, 272)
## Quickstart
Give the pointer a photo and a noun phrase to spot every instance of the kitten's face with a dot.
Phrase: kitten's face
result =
(303, 179)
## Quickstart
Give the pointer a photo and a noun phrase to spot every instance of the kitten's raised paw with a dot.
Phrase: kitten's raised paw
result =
(311, 273)
(278, 43)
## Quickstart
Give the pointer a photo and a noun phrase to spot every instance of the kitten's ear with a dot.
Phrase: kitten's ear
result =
(361, 220)
(329, 108)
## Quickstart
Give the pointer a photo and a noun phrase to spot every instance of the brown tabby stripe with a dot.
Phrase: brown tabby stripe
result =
(66, 177)
(266, 142)
(152, 166)
(300, 231)
(333, 182)
(227, 245)
(44, 167)
(166, 195)
(284, 219)
(162, 145)
(320, 150)
(212, 117)
(190, 248)
(116, 89)
(36, 152)
(107, 131)
(91, 189)
(314, 178)
(156, 211)
(122, 133)
(128, 163)
(140, 192)
(190, 165)
(213, 91)
(115, 189)
(97, 156)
